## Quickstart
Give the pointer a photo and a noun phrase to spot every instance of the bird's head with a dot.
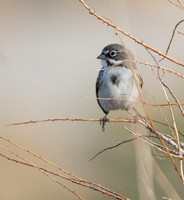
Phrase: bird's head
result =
(113, 54)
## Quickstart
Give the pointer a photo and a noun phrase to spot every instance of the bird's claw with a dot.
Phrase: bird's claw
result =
(103, 122)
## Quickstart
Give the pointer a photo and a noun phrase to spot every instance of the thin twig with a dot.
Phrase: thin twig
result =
(111, 147)
(68, 119)
(180, 33)
(172, 37)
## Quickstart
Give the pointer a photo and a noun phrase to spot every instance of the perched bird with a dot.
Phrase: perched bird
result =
(116, 87)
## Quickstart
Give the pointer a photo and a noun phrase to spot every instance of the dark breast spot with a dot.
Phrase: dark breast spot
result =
(114, 80)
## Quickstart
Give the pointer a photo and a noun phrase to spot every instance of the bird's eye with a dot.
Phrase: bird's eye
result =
(113, 53)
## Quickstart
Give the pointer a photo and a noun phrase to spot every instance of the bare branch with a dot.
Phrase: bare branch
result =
(128, 35)
(69, 119)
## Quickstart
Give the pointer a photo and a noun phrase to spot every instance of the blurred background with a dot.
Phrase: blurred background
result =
(48, 65)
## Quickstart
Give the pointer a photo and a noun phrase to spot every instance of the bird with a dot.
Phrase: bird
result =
(118, 81)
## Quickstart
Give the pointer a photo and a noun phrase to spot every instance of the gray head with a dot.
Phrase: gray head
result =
(114, 53)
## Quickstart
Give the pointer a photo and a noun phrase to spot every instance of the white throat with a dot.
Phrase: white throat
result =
(111, 61)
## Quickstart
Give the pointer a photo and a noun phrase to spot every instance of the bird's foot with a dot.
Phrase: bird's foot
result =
(103, 122)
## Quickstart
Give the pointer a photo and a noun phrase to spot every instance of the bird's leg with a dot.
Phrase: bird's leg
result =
(103, 122)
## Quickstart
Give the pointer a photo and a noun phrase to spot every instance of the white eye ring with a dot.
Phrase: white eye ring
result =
(113, 53)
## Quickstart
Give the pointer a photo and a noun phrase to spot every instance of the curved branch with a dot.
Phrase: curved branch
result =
(172, 37)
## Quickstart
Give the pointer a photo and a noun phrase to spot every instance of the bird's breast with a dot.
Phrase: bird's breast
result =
(117, 80)
(116, 83)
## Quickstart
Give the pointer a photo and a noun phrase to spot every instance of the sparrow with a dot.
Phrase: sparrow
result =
(116, 87)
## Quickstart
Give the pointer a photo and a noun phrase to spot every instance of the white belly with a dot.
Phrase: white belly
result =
(124, 89)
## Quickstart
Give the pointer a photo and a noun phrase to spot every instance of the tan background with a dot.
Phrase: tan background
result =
(48, 64)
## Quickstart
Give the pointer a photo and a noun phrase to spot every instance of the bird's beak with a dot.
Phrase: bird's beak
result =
(101, 56)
